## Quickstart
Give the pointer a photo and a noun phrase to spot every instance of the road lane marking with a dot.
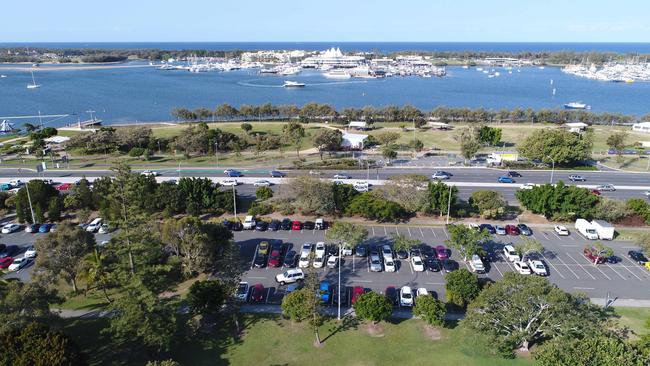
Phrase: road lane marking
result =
(385, 231)
(268, 295)
(552, 266)
(567, 266)
(584, 288)
(373, 230)
(409, 230)
(256, 278)
(568, 245)
(421, 232)
(434, 283)
(615, 271)
(633, 274)
(445, 231)
(497, 268)
(601, 271)
(362, 281)
(583, 268)
(434, 233)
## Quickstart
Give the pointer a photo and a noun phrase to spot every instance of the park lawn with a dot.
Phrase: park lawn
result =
(269, 340)
(633, 318)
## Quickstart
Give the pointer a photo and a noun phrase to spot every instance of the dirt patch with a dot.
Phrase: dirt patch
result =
(531, 218)
(375, 330)
(632, 220)
(523, 353)
(432, 333)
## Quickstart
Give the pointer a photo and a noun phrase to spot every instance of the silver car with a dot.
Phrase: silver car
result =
(375, 263)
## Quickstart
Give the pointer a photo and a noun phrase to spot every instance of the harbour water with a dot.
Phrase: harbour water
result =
(146, 94)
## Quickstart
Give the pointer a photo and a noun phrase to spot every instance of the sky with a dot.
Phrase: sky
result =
(331, 20)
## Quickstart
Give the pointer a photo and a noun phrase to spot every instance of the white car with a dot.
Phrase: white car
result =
(332, 261)
(476, 264)
(406, 296)
(304, 261)
(341, 176)
(10, 228)
(229, 182)
(606, 187)
(306, 249)
(422, 292)
(320, 249)
(249, 223)
(16, 182)
(647, 193)
(18, 264)
(30, 252)
(242, 291)
(387, 252)
(561, 230)
(361, 186)
(104, 229)
(440, 175)
(528, 186)
(389, 266)
(510, 253)
(522, 267)
(262, 183)
(418, 265)
(290, 276)
(319, 261)
(537, 267)
(150, 173)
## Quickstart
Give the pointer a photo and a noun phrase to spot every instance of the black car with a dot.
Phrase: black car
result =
(308, 225)
(432, 265)
(402, 254)
(274, 225)
(8, 251)
(524, 230)
(391, 294)
(276, 174)
(344, 295)
(486, 254)
(290, 259)
(513, 174)
(286, 224)
(261, 225)
(637, 257)
(332, 249)
(237, 226)
(427, 252)
(260, 261)
(614, 259)
(361, 251)
(487, 227)
(415, 252)
(449, 265)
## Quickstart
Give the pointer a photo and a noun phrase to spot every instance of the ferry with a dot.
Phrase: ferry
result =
(293, 84)
(576, 105)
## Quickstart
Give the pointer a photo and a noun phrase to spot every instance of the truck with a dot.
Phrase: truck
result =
(604, 229)
(249, 223)
(587, 230)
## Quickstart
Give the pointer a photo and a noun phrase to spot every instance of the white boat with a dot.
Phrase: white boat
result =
(33, 85)
(465, 67)
(290, 71)
(337, 74)
(3, 76)
(576, 105)
(293, 84)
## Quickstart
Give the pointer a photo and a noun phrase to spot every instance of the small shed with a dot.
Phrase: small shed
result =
(357, 125)
(576, 126)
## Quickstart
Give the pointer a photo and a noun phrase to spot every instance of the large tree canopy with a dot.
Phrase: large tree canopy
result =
(559, 145)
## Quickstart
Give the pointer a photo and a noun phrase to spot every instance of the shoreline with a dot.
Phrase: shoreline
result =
(80, 67)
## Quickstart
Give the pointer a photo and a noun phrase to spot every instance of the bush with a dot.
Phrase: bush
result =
(260, 208)
(369, 206)
(611, 210)
(640, 207)
(263, 193)
(462, 287)
(136, 151)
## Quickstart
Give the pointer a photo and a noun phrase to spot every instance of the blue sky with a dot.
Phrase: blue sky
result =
(331, 20)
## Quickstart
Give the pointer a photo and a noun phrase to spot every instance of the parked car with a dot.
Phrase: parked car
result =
(449, 265)
(63, 187)
(332, 261)
(416, 262)
(522, 267)
(342, 176)
(421, 292)
(442, 252)
(308, 225)
(296, 225)
(304, 260)
(375, 262)
(104, 229)
(242, 291)
(262, 183)
(341, 298)
(263, 248)
(476, 264)
(387, 252)
(30, 252)
(440, 175)
(487, 227)
(324, 291)
(33, 228)
(561, 230)
(249, 222)
(361, 250)
(257, 293)
(261, 225)
(527, 186)
(432, 265)
(229, 183)
(537, 267)
(406, 296)
(512, 230)
(510, 254)
(389, 266)
(290, 259)
(5, 262)
(606, 187)
(275, 259)
(524, 229)
(402, 254)
(356, 292)
(286, 224)
(505, 180)
(391, 295)
(10, 228)
(319, 261)
(576, 178)
(500, 230)
(276, 174)
(150, 173)
(44, 228)
(637, 257)
(428, 252)
(320, 224)
(274, 225)
(361, 186)
(260, 260)
(290, 276)
(593, 257)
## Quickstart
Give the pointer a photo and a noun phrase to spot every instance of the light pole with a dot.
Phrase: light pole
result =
(338, 288)
(552, 167)
(449, 204)
(216, 153)
(234, 201)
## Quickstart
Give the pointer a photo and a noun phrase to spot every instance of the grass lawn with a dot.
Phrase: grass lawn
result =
(269, 340)
(633, 318)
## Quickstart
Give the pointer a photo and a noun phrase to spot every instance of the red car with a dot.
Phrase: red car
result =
(512, 230)
(6, 262)
(441, 252)
(257, 293)
(64, 186)
(276, 258)
(595, 192)
(593, 256)
(296, 225)
(356, 292)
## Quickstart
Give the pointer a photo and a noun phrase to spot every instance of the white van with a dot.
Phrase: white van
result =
(249, 223)
(587, 230)
(94, 225)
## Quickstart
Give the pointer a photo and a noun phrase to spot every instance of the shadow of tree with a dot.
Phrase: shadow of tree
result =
(348, 322)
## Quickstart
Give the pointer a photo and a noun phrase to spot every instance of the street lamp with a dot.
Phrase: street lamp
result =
(552, 168)
(338, 288)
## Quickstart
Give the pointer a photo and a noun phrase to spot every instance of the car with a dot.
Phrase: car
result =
(505, 180)
(332, 261)
(30, 252)
(522, 267)
(510, 253)
(234, 226)
(402, 254)
(296, 225)
(513, 174)
(387, 252)
(262, 183)
(486, 253)
(16, 182)
(315, 172)
(324, 291)
(512, 230)
(487, 227)
(263, 248)
(286, 224)
(104, 229)
(375, 262)
(391, 295)
(149, 173)
(593, 257)
(320, 249)
(440, 175)
(428, 252)
(432, 265)
(233, 173)
(339, 298)
(416, 262)
(293, 287)
(304, 261)
(449, 265)
(5, 262)
(524, 229)
(647, 194)
(356, 292)
(275, 259)
(94, 225)
(332, 249)
(528, 186)
(537, 267)
(637, 257)
(361, 250)
(576, 178)
(260, 260)
(249, 222)
(257, 293)
(44, 228)
(276, 174)
(561, 230)
(415, 251)
(306, 249)
(389, 266)
(274, 225)
(406, 296)
(242, 291)
(647, 265)
(290, 259)
(308, 225)
(318, 262)
(476, 264)
(320, 224)
(10, 228)
(290, 276)
(595, 192)
(342, 176)
(421, 292)
(606, 187)
(261, 225)
(442, 252)
(63, 187)
(229, 182)
(33, 228)
(361, 186)
(500, 230)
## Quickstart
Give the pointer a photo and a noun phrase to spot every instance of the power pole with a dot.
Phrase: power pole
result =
(449, 204)
(29, 198)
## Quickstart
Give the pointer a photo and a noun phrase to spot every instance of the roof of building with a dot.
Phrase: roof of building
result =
(57, 139)
(354, 138)
(576, 125)
(357, 124)
(647, 123)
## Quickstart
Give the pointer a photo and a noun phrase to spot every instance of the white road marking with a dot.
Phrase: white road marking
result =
(421, 233)
(409, 230)
(601, 271)
(385, 231)
(268, 294)
(363, 281)
(633, 274)
(497, 267)
(568, 245)
(445, 231)
(552, 266)
(615, 271)
(567, 266)
(583, 268)
(434, 283)
(584, 288)
(373, 230)
(255, 278)
(434, 233)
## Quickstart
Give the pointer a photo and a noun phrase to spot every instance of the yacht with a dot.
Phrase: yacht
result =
(293, 84)
(337, 74)
(33, 85)
(3, 76)
(293, 70)
(576, 105)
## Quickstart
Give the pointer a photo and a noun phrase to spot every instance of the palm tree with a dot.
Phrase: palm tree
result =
(96, 273)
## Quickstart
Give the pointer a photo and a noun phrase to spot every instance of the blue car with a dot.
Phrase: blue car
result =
(487, 227)
(235, 174)
(506, 180)
(45, 228)
(325, 291)
(276, 174)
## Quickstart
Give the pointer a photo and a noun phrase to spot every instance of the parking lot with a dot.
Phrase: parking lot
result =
(567, 266)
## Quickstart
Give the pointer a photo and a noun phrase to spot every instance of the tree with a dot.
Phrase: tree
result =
(441, 197)
(305, 304)
(559, 145)
(527, 246)
(38, 345)
(97, 273)
(593, 349)
(461, 287)
(401, 242)
(373, 306)
(294, 132)
(407, 189)
(616, 142)
(416, 144)
(21, 303)
(469, 143)
(559, 201)
(348, 234)
(388, 152)
(310, 196)
(467, 241)
(370, 206)
(63, 251)
(343, 195)
(263, 193)
(327, 139)
(387, 138)
(489, 135)
(598, 250)
(247, 127)
(40, 195)
(520, 310)
(430, 309)
(206, 297)
(489, 204)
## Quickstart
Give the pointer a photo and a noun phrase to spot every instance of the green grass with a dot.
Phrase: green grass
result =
(269, 340)
(633, 318)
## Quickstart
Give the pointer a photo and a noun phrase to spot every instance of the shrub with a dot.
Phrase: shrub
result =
(369, 206)
(136, 151)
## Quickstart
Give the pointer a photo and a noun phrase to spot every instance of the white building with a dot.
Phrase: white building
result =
(353, 141)
(576, 126)
(357, 125)
(333, 58)
(641, 127)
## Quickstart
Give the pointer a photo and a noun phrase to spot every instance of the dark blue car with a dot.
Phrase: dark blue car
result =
(506, 180)
(235, 174)
(276, 174)
(487, 227)
(45, 228)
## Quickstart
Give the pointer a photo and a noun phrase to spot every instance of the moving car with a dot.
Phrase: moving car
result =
(524, 229)
(356, 292)
(537, 267)
(637, 257)
(242, 291)
(276, 174)
(261, 225)
(433, 265)
(606, 187)
(512, 230)
(233, 173)
(406, 296)
(576, 178)
(332, 261)
(505, 180)
(561, 230)
(375, 262)
(510, 254)
(487, 227)
(150, 173)
(500, 230)
(262, 183)
(286, 224)
(296, 225)
(440, 175)
(442, 252)
(513, 174)
(63, 186)
(418, 265)
(290, 259)
(257, 293)
(10, 228)
(290, 276)
(324, 291)
(342, 176)
(528, 186)
(30, 252)
(522, 267)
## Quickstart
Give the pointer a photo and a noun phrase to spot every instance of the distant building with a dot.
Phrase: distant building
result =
(576, 126)
(641, 127)
(440, 125)
(353, 141)
(357, 125)
(499, 157)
